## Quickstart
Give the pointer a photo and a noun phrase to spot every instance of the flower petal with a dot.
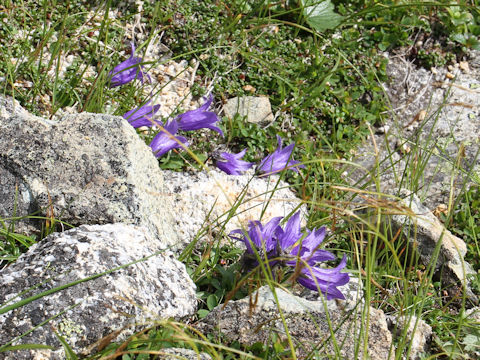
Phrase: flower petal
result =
(279, 160)
(199, 118)
(142, 116)
(165, 140)
(233, 165)
(292, 232)
(327, 279)
(127, 70)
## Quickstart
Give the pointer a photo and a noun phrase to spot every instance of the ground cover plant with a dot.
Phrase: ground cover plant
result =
(321, 66)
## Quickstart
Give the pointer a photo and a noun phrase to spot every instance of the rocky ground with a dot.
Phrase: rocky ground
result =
(93, 171)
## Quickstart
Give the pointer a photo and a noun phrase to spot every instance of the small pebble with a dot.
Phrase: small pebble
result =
(449, 75)
(404, 148)
(249, 88)
(383, 129)
(464, 66)
(422, 114)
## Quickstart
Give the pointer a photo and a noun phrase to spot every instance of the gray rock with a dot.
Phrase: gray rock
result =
(183, 354)
(424, 232)
(474, 314)
(87, 168)
(257, 109)
(204, 200)
(416, 336)
(157, 288)
(254, 320)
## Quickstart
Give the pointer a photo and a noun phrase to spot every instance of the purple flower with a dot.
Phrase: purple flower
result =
(307, 249)
(142, 116)
(292, 233)
(233, 165)
(327, 280)
(290, 248)
(279, 160)
(127, 71)
(199, 118)
(165, 140)
(261, 237)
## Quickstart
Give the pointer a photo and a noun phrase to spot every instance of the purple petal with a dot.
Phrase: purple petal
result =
(142, 116)
(127, 70)
(327, 279)
(261, 236)
(199, 118)
(233, 165)
(268, 232)
(165, 140)
(313, 240)
(279, 160)
(292, 232)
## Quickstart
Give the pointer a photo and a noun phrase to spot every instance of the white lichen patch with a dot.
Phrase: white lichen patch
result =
(67, 328)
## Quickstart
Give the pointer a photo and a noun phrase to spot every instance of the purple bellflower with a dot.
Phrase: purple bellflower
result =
(199, 118)
(165, 140)
(306, 254)
(127, 70)
(261, 237)
(326, 280)
(279, 160)
(233, 165)
(142, 116)
(290, 248)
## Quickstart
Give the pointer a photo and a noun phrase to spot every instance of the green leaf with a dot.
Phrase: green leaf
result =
(212, 302)
(320, 15)
(460, 38)
(69, 353)
(25, 347)
(202, 313)
(471, 342)
(216, 284)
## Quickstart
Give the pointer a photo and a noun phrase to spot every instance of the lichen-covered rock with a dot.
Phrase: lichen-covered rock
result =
(207, 199)
(183, 354)
(84, 169)
(255, 319)
(425, 232)
(156, 288)
(415, 333)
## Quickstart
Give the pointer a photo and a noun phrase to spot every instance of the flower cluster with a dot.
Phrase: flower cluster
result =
(279, 160)
(143, 116)
(289, 246)
(166, 139)
(297, 251)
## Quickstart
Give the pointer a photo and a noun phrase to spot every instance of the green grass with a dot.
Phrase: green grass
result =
(325, 89)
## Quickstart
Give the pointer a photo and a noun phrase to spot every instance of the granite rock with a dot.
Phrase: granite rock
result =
(156, 288)
(204, 200)
(84, 169)
(424, 233)
(256, 109)
(183, 354)
(255, 319)
(415, 333)
(432, 138)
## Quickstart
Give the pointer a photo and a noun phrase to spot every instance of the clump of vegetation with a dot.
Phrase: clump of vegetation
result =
(321, 64)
